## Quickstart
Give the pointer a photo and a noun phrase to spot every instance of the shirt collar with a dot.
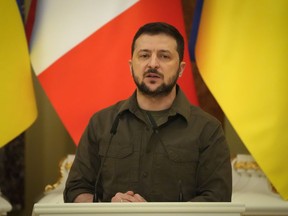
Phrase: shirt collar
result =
(180, 105)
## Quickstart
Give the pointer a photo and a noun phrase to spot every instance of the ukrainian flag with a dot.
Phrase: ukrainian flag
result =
(18, 107)
(242, 55)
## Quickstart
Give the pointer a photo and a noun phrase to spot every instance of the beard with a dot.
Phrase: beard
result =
(162, 90)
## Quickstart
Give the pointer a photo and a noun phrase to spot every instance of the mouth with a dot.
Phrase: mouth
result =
(152, 75)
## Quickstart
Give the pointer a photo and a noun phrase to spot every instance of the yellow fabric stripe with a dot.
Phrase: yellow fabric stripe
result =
(18, 107)
(242, 54)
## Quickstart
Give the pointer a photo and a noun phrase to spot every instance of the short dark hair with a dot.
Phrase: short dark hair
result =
(156, 28)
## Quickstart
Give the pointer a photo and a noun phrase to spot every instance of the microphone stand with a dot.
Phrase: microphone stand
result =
(112, 132)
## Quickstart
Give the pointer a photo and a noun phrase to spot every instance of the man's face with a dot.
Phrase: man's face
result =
(155, 64)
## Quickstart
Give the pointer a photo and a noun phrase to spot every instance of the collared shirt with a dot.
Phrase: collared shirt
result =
(185, 157)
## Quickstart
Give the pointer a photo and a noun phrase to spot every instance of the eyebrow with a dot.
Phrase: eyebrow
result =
(144, 50)
(147, 50)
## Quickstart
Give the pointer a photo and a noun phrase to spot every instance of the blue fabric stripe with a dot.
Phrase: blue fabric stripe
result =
(194, 29)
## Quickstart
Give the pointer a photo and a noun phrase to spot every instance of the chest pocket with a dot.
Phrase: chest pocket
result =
(178, 160)
(116, 150)
(119, 165)
(182, 155)
(179, 149)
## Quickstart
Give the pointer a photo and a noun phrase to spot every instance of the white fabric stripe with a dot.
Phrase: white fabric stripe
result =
(60, 25)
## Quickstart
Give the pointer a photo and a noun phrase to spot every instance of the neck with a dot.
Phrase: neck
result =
(157, 103)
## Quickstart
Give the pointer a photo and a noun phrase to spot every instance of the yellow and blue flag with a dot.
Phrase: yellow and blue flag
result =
(241, 52)
(18, 107)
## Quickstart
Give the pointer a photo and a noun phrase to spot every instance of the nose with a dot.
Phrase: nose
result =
(153, 62)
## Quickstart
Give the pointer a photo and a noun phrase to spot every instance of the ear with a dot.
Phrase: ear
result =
(130, 65)
(181, 68)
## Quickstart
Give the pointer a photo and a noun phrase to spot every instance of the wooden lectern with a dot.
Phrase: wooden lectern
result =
(139, 209)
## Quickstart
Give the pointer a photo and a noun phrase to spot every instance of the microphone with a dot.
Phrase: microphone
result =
(150, 144)
(152, 122)
(112, 133)
(115, 125)
(154, 136)
(180, 197)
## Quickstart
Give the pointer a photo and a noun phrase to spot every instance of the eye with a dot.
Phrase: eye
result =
(144, 55)
(164, 56)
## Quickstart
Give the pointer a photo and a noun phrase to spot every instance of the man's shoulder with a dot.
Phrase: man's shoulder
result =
(110, 110)
(198, 112)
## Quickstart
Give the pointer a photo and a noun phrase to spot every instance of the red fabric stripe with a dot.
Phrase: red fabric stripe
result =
(95, 73)
(30, 19)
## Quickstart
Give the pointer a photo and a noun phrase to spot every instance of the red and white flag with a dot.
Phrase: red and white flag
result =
(80, 52)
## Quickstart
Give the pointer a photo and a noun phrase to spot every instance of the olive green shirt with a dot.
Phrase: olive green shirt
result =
(185, 156)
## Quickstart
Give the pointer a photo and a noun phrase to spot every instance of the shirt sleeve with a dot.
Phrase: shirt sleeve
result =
(214, 174)
(82, 175)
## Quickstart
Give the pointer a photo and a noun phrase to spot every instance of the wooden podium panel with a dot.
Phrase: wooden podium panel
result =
(139, 209)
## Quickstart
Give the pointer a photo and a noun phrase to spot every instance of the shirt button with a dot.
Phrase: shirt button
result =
(144, 174)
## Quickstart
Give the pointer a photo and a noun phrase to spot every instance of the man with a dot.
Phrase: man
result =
(154, 146)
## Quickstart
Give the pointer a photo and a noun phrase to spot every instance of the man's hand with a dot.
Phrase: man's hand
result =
(129, 196)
